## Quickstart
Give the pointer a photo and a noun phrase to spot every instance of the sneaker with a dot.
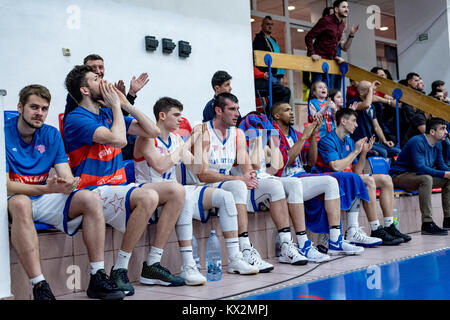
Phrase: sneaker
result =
(42, 291)
(252, 257)
(392, 230)
(120, 277)
(290, 254)
(430, 228)
(102, 287)
(191, 275)
(343, 247)
(312, 254)
(446, 224)
(357, 236)
(157, 274)
(322, 243)
(388, 239)
(237, 264)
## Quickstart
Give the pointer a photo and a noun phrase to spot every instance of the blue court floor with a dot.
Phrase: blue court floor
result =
(424, 277)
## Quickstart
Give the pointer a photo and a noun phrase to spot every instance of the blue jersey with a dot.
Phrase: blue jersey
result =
(95, 164)
(332, 148)
(31, 162)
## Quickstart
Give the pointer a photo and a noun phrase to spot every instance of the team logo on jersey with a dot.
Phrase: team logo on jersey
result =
(14, 149)
(104, 153)
(216, 147)
(41, 148)
(108, 121)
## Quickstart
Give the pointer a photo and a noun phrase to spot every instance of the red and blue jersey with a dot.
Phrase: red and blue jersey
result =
(95, 164)
(31, 162)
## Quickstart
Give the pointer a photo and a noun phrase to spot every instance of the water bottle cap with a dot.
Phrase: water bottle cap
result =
(213, 231)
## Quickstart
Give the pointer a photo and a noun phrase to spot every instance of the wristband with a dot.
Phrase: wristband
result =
(351, 36)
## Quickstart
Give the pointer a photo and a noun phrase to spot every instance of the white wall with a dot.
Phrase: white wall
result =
(33, 34)
(363, 50)
(428, 58)
(5, 278)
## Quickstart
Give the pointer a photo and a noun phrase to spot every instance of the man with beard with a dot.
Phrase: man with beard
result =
(32, 149)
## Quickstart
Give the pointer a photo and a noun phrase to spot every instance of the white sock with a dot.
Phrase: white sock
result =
(243, 242)
(285, 237)
(154, 256)
(301, 239)
(36, 280)
(95, 266)
(186, 254)
(232, 246)
(352, 219)
(334, 234)
(123, 258)
(388, 221)
(374, 224)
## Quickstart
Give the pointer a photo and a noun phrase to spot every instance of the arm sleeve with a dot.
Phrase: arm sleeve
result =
(61, 155)
(79, 130)
(440, 163)
(418, 155)
(312, 34)
(328, 151)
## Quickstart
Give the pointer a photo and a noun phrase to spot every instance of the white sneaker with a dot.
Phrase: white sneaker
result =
(237, 264)
(191, 275)
(342, 247)
(290, 254)
(356, 236)
(252, 257)
(312, 254)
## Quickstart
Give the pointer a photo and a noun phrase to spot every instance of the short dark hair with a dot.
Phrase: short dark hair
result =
(337, 3)
(219, 78)
(332, 93)
(276, 106)
(344, 113)
(375, 69)
(434, 123)
(92, 57)
(267, 18)
(220, 100)
(411, 75)
(326, 11)
(436, 84)
(77, 79)
(164, 104)
(34, 89)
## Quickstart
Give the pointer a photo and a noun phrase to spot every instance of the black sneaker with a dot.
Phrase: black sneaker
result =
(393, 231)
(42, 291)
(446, 224)
(157, 274)
(430, 228)
(102, 287)
(120, 277)
(388, 239)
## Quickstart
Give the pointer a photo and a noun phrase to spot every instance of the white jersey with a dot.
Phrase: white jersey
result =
(221, 154)
(145, 173)
(297, 166)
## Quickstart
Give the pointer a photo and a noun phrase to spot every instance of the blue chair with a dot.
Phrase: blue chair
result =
(380, 165)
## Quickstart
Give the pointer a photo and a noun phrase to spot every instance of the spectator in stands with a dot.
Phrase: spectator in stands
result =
(388, 74)
(368, 125)
(420, 166)
(265, 42)
(157, 160)
(227, 145)
(323, 39)
(321, 104)
(336, 96)
(279, 92)
(407, 112)
(32, 149)
(417, 125)
(437, 86)
(339, 152)
(220, 82)
(93, 137)
(136, 84)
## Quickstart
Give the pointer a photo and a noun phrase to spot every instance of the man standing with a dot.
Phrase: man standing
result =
(339, 152)
(323, 39)
(420, 166)
(94, 137)
(32, 149)
(265, 42)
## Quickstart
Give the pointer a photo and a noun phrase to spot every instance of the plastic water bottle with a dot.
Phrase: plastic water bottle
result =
(213, 258)
(195, 252)
(396, 218)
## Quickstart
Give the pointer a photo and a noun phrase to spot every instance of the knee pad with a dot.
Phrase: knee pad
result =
(273, 187)
(332, 191)
(183, 228)
(238, 189)
(294, 190)
(224, 202)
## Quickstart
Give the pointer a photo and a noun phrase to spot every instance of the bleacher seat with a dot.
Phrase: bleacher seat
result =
(61, 124)
(380, 165)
